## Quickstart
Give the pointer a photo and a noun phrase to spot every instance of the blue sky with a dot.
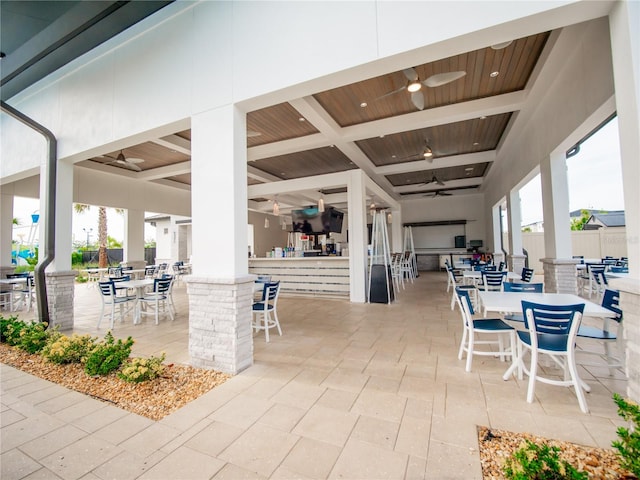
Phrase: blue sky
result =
(595, 181)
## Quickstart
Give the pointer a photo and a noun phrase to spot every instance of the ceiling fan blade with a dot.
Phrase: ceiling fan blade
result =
(418, 99)
(443, 78)
(390, 93)
(438, 181)
(132, 166)
(411, 74)
(253, 133)
(444, 194)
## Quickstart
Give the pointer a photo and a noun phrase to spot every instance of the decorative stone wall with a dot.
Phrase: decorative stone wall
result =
(630, 304)
(220, 332)
(560, 275)
(516, 263)
(60, 292)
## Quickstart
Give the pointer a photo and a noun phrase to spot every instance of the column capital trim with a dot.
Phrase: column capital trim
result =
(220, 280)
(560, 261)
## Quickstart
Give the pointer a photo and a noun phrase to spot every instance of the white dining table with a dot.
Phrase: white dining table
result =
(12, 282)
(139, 286)
(511, 302)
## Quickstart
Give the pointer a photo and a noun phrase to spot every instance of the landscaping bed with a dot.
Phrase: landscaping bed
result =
(154, 399)
(496, 445)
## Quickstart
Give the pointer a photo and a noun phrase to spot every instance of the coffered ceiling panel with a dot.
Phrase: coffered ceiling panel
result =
(184, 178)
(305, 164)
(276, 123)
(469, 136)
(442, 174)
(373, 99)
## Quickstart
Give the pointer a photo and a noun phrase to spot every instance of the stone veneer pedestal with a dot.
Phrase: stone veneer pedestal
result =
(220, 332)
(630, 304)
(560, 275)
(60, 294)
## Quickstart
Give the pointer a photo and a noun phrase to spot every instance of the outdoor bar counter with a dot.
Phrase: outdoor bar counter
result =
(310, 276)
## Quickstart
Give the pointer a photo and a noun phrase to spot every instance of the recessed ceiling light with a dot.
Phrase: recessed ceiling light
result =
(483, 117)
(302, 119)
(494, 74)
(469, 169)
(393, 156)
(381, 136)
(475, 143)
(363, 104)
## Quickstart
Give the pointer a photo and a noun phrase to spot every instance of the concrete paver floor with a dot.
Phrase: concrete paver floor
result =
(348, 391)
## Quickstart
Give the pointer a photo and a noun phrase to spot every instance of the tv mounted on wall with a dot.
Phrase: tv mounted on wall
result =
(310, 221)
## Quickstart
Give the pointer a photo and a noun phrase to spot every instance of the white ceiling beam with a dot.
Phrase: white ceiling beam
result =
(440, 162)
(175, 142)
(166, 171)
(329, 180)
(172, 184)
(432, 117)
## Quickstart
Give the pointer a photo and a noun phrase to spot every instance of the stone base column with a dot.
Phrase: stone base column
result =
(60, 294)
(630, 304)
(516, 263)
(560, 275)
(220, 332)
(4, 271)
(498, 257)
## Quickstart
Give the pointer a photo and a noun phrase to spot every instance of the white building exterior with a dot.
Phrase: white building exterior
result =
(202, 65)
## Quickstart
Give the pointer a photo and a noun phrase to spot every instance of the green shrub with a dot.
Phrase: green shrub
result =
(34, 336)
(628, 445)
(10, 330)
(539, 462)
(107, 355)
(73, 349)
(76, 257)
(142, 369)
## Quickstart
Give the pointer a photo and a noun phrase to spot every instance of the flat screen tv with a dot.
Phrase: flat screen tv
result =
(310, 221)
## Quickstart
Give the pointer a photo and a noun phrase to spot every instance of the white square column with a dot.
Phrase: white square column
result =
(559, 268)
(220, 289)
(516, 258)
(6, 230)
(357, 209)
(133, 238)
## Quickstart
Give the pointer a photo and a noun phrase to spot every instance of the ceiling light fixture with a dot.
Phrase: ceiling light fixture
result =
(321, 203)
(414, 86)
(475, 144)
(494, 74)
(302, 119)
(483, 117)
(363, 105)
(276, 207)
(266, 222)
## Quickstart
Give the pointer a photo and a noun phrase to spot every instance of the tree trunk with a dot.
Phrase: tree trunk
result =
(102, 237)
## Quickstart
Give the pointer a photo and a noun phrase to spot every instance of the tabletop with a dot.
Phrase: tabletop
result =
(143, 282)
(511, 302)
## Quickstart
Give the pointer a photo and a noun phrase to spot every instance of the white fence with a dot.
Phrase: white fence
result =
(588, 243)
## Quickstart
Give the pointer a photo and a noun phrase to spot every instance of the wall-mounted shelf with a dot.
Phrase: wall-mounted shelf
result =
(436, 223)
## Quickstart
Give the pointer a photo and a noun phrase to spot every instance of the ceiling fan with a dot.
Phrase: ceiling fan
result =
(437, 193)
(414, 84)
(130, 163)
(426, 154)
(434, 179)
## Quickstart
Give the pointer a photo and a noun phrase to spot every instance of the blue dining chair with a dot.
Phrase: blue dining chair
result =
(518, 288)
(610, 301)
(472, 327)
(551, 330)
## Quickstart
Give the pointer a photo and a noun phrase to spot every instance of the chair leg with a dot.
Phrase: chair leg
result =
(462, 343)
(101, 315)
(577, 383)
(275, 316)
(469, 351)
(265, 318)
(533, 371)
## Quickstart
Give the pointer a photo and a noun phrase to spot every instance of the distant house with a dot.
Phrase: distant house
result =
(534, 227)
(607, 220)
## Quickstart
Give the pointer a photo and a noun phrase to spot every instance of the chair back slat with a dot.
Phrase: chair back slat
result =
(611, 301)
(527, 274)
(270, 290)
(493, 279)
(162, 285)
(107, 288)
(523, 287)
(551, 319)
(465, 301)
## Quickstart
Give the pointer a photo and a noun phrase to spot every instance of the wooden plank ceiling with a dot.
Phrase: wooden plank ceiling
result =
(388, 156)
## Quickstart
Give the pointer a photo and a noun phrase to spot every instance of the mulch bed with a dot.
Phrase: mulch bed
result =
(496, 445)
(178, 385)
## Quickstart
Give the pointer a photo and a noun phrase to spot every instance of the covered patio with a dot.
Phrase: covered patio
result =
(374, 391)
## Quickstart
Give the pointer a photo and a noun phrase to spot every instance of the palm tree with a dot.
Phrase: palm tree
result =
(102, 231)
